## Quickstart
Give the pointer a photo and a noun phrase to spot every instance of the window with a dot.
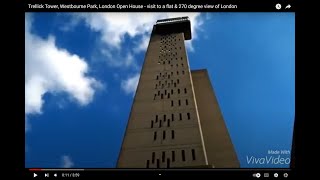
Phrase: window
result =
(164, 135)
(172, 134)
(160, 74)
(164, 118)
(180, 116)
(157, 77)
(172, 117)
(179, 102)
(182, 64)
(163, 156)
(161, 96)
(165, 92)
(171, 91)
(178, 91)
(178, 81)
(162, 86)
(173, 156)
(168, 163)
(168, 62)
(181, 58)
(171, 73)
(188, 114)
(182, 72)
(185, 90)
(158, 163)
(177, 72)
(156, 86)
(187, 102)
(193, 155)
(151, 124)
(155, 136)
(160, 124)
(183, 155)
(171, 103)
(168, 122)
(154, 97)
(169, 76)
(168, 95)
(147, 166)
(153, 156)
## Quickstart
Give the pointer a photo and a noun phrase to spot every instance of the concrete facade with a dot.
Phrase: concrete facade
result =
(164, 128)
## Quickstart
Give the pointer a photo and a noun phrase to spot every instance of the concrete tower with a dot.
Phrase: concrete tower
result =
(175, 120)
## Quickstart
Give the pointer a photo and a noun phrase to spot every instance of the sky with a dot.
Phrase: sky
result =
(82, 70)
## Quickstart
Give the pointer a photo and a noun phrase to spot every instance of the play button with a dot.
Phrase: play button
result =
(35, 175)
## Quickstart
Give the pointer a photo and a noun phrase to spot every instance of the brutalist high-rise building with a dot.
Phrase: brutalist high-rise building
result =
(175, 119)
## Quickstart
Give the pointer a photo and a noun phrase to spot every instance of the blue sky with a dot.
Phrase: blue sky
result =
(82, 69)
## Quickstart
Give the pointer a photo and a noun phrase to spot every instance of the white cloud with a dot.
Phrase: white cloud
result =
(66, 162)
(130, 85)
(114, 26)
(49, 69)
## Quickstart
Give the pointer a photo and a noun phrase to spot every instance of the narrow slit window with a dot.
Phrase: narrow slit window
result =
(171, 73)
(147, 166)
(162, 85)
(161, 96)
(164, 135)
(171, 103)
(183, 155)
(185, 90)
(156, 118)
(182, 72)
(180, 116)
(165, 92)
(163, 156)
(172, 117)
(179, 102)
(172, 134)
(168, 95)
(173, 156)
(154, 98)
(157, 77)
(175, 84)
(171, 91)
(181, 58)
(158, 93)
(153, 156)
(164, 118)
(168, 163)
(182, 64)
(160, 124)
(177, 72)
(155, 136)
(158, 163)
(156, 86)
(168, 122)
(178, 81)
(188, 114)
(151, 124)
(187, 103)
(178, 91)
(169, 76)
(193, 155)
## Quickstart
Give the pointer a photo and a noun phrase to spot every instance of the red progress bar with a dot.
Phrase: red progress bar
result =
(34, 169)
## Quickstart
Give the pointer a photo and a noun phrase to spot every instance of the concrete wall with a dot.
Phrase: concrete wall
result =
(219, 148)
(140, 149)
